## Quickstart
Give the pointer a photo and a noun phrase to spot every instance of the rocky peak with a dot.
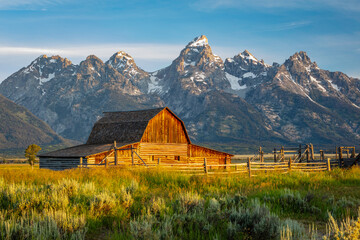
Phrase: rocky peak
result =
(44, 68)
(198, 53)
(125, 65)
(121, 61)
(248, 56)
(244, 70)
(301, 57)
(198, 42)
(91, 64)
(57, 63)
(300, 61)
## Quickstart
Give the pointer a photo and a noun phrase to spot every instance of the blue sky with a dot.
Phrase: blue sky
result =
(154, 32)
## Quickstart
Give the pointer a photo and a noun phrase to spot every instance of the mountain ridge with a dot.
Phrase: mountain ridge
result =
(240, 97)
(20, 128)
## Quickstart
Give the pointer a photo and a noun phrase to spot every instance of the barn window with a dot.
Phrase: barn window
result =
(177, 158)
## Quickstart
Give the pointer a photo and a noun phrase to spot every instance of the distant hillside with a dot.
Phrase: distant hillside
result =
(20, 128)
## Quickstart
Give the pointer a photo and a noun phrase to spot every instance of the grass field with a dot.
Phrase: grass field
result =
(153, 204)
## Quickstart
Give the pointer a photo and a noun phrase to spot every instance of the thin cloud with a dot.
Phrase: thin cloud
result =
(286, 26)
(28, 50)
(139, 51)
(28, 4)
(206, 5)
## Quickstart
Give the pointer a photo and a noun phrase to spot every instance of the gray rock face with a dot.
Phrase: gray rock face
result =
(238, 100)
(70, 98)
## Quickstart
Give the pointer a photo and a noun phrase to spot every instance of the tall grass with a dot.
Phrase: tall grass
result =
(155, 204)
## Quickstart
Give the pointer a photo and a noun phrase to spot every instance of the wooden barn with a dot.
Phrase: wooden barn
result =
(143, 137)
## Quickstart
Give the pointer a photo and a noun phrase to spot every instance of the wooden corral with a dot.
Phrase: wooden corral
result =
(344, 156)
(143, 137)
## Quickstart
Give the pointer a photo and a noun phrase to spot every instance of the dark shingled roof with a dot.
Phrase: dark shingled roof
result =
(80, 150)
(121, 126)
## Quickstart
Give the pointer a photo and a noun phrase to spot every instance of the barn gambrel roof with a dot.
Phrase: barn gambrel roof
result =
(125, 127)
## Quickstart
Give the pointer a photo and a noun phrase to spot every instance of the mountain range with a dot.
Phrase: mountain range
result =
(239, 100)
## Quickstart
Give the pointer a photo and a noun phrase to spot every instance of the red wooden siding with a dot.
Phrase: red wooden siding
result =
(165, 128)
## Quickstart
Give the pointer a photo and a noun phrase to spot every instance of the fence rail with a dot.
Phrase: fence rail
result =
(237, 168)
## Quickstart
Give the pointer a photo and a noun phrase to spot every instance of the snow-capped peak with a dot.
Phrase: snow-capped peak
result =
(248, 56)
(122, 54)
(121, 60)
(199, 42)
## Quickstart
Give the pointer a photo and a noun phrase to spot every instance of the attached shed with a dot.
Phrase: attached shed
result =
(135, 137)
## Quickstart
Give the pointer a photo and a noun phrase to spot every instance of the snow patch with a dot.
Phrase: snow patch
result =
(52, 61)
(318, 84)
(355, 105)
(122, 54)
(249, 75)
(248, 57)
(154, 85)
(199, 42)
(336, 87)
(200, 76)
(193, 63)
(44, 80)
(234, 82)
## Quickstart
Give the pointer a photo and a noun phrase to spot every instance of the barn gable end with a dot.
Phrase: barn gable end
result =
(165, 127)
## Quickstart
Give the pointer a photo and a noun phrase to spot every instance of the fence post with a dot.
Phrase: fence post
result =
(106, 162)
(205, 166)
(249, 167)
(158, 161)
(340, 156)
(261, 153)
(307, 153)
(81, 162)
(289, 164)
(322, 156)
(132, 155)
(328, 165)
(299, 153)
(115, 154)
(312, 152)
(282, 154)
(274, 154)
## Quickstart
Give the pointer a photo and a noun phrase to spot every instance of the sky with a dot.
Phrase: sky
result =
(154, 32)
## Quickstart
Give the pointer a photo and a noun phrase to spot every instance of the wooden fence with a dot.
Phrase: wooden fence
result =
(250, 168)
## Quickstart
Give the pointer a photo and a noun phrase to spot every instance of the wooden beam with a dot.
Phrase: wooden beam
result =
(115, 152)
(132, 155)
(205, 166)
(289, 164)
(274, 154)
(328, 165)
